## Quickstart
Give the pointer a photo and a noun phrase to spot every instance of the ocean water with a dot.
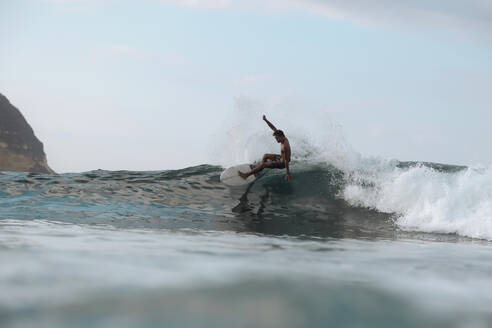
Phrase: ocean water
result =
(381, 244)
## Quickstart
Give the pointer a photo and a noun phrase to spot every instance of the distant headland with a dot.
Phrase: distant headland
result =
(20, 150)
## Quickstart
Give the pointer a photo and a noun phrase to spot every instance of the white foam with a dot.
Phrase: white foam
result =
(425, 199)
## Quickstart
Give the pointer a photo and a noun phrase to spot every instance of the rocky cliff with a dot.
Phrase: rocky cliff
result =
(20, 150)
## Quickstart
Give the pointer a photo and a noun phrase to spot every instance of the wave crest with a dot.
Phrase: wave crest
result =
(428, 198)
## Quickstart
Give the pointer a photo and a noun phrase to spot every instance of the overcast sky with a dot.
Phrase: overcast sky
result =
(149, 84)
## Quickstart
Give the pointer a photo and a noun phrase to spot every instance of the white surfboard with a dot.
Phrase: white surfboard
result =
(231, 178)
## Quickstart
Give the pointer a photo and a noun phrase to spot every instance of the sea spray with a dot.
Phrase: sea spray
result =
(314, 138)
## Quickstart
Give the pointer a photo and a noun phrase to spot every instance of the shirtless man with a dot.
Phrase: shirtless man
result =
(273, 161)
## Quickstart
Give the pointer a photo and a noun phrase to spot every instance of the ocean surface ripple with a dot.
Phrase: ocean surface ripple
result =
(193, 198)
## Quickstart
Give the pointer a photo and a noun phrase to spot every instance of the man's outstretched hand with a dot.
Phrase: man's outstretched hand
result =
(264, 118)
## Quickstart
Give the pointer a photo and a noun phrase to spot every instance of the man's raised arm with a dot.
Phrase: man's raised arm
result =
(269, 124)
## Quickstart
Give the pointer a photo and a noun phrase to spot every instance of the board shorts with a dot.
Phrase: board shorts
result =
(277, 163)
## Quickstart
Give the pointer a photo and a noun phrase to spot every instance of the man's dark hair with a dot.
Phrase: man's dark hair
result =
(279, 133)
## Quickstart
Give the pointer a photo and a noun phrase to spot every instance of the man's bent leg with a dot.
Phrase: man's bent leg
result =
(267, 157)
(257, 169)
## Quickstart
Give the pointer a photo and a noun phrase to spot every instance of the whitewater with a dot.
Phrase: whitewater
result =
(427, 197)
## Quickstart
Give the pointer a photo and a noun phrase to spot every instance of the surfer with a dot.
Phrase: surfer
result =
(273, 161)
